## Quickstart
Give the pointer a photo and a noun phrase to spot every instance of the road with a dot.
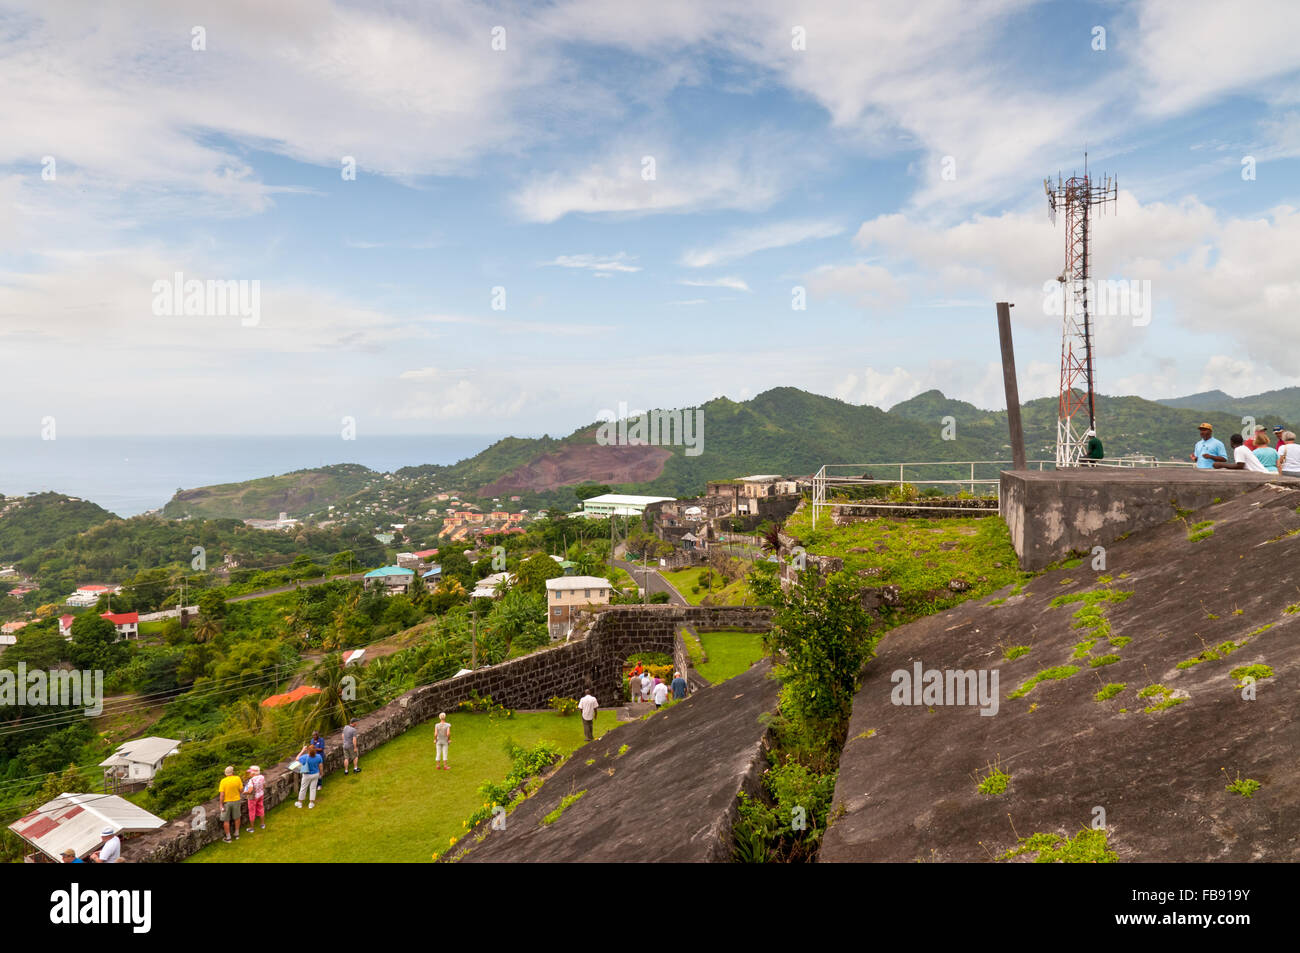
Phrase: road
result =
(291, 587)
(651, 581)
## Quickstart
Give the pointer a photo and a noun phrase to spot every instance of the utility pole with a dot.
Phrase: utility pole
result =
(473, 642)
(1010, 386)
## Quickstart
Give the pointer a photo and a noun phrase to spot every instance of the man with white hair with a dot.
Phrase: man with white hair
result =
(110, 848)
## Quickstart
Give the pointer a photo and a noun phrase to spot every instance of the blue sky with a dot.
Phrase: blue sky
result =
(523, 168)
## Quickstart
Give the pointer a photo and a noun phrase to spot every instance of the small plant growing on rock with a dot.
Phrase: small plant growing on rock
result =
(995, 782)
(1246, 787)
(1014, 652)
(1242, 672)
(1110, 691)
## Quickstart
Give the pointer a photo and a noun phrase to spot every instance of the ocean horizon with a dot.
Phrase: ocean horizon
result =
(132, 474)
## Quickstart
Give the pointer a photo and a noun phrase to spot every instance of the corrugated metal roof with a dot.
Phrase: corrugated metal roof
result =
(389, 571)
(75, 820)
(577, 582)
(149, 750)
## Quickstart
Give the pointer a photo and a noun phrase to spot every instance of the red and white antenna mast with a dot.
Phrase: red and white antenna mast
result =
(1077, 196)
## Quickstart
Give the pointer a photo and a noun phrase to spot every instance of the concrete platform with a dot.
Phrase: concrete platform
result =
(1052, 513)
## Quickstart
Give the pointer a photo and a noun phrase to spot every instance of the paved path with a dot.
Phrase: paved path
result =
(653, 582)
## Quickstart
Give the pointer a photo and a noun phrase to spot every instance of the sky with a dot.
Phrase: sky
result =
(510, 218)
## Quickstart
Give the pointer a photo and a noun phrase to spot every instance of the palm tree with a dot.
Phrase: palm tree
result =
(206, 629)
(329, 709)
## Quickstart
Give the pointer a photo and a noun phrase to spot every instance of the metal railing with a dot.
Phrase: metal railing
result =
(838, 475)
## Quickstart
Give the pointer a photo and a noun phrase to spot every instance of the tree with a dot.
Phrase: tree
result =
(94, 643)
(586, 491)
(824, 637)
(533, 572)
(40, 647)
(519, 614)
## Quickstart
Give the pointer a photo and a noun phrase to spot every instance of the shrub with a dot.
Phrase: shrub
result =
(564, 706)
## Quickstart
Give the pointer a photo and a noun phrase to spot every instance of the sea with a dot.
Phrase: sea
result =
(130, 475)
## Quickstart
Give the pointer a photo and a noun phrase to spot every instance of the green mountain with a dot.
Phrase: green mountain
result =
(1271, 407)
(783, 430)
(31, 523)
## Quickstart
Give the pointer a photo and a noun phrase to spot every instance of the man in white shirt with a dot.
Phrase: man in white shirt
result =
(1243, 458)
(110, 848)
(646, 684)
(587, 704)
(660, 694)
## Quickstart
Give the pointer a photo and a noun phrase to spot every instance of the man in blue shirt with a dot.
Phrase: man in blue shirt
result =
(679, 686)
(1208, 450)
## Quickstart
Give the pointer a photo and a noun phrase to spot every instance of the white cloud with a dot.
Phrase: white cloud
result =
(607, 263)
(616, 185)
(745, 242)
(869, 286)
(735, 284)
(1192, 52)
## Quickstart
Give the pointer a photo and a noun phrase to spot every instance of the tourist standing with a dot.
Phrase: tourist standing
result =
(679, 686)
(255, 791)
(1209, 450)
(1288, 457)
(660, 693)
(350, 747)
(634, 687)
(311, 762)
(229, 793)
(647, 683)
(318, 743)
(1264, 450)
(441, 740)
(588, 705)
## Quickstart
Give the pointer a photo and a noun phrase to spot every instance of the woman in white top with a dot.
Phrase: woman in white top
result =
(1288, 455)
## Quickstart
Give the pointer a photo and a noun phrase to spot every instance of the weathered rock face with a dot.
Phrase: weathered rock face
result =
(1052, 513)
(907, 779)
(670, 796)
(594, 660)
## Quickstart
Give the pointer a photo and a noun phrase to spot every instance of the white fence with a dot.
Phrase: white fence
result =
(980, 473)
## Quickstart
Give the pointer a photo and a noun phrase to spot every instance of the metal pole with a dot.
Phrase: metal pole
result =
(1012, 390)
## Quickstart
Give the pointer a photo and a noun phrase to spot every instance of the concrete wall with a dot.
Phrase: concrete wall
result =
(1053, 513)
(593, 658)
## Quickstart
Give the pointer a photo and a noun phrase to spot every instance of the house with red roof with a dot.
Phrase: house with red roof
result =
(65, 625)
(127, 623)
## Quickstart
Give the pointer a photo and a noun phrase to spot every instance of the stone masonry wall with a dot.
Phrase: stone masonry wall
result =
(593, 659)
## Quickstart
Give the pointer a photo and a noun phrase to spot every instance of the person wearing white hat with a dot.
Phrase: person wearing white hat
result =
(1092, 449)
(110, 848)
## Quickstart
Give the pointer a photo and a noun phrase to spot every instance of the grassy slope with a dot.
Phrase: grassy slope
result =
(730, 653)
(922, 556)
(400, 809)
(733, 594)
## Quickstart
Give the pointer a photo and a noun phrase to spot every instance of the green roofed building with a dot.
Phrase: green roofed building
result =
(392, 579)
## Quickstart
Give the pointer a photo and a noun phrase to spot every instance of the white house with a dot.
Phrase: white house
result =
(139, 760)
(65, 625)
(88, 595)
(486, 588)
(566, 595)
(127, 623)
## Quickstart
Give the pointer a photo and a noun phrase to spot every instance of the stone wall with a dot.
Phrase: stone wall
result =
(593, 659)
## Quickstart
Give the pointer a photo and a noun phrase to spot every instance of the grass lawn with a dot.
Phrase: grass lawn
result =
(684, 580)
(400, 809)
(730, 653)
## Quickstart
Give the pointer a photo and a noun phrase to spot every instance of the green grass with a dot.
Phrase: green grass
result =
(1246, 787)
(1086, 847)
(1015, 652)
(995, 782)
(732, 594)
(1214, 653)
(565, 803)
(1165, 696)
(920, 556)
(1047, 674)
(1253, 671)
(730, 653)
(1110, 691)
(1200, 531)
(1110, 659)
(400, 809)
